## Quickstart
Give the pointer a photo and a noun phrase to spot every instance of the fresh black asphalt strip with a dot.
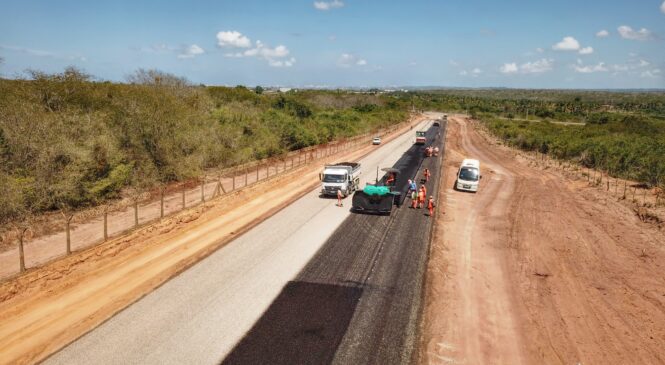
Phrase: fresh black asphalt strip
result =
(358, 301)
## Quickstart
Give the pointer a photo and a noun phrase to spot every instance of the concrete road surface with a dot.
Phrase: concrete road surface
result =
(199, 316)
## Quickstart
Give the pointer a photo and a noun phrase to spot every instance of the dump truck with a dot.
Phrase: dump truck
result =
(344, 176)
(420, 137)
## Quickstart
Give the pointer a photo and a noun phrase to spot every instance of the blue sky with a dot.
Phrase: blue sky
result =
(472, 43)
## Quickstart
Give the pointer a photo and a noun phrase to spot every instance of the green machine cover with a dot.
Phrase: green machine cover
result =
(376, 190)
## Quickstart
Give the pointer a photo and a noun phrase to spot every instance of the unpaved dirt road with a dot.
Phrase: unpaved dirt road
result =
(198, 316)
(539, 269)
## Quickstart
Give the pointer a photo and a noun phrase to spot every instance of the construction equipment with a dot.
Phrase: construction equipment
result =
(344, 176)
(378, 198)
(420, 137)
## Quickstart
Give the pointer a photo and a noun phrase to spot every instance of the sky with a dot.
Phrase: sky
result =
(345, 43)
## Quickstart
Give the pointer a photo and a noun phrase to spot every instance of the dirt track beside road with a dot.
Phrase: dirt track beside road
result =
(539, 269)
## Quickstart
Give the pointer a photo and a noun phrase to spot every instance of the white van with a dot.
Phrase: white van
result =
(468, 175)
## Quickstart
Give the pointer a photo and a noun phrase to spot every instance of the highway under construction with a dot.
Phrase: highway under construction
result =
(358, 300)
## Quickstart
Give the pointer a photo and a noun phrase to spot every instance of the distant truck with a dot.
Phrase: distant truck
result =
(343, 176)
(420, 137)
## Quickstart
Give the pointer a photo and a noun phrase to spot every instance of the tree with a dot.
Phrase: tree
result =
(258, 89)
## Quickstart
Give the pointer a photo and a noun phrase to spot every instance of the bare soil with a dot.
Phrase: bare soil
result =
(539, 268)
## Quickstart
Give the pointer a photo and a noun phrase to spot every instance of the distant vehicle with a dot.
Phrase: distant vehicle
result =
(436, 123)
(420, 137)
(376, 140)
(468, 175)
(343, 176)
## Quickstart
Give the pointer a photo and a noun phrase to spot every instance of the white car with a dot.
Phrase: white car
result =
(468, 175)
(376, 140)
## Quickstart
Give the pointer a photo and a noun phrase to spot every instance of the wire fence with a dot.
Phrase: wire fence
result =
(85, 229)
(639, 194)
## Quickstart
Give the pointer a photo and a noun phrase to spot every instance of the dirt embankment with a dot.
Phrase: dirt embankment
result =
(51, 306)
(537, 268)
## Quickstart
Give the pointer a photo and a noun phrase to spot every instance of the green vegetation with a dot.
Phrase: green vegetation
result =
(67, 141)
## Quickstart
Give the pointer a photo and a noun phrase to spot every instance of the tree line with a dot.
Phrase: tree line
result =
(69, 141)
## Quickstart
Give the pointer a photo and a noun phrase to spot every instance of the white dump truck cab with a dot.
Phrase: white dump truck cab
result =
(468, 175)
(344, 176)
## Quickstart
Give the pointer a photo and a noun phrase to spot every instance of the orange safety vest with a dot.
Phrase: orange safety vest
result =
(430, 204)
(421, 196)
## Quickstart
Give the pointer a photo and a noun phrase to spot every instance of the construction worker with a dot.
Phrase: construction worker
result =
(414, 199)
(424, 189)
(431, 205)
(391, 179)
(436, 151)
(421, 199)
(427, 174)
(339, 198)
(412, 186)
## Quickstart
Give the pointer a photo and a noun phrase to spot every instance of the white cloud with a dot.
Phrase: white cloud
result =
(191, 51)
(283, 63)
(233, 39)
(540, 50)
(476, 71)
(413, 64)
(652, 74)
(276, 57)
(539, 66)
(332, 38)
(327, 5)
(627, 32)
(454, 63)
(347, 60)
(463, 73)
(586, 50)
(602, 33)
(662, 7)
(509, 68)
(567, 44)
(42, 53)
(600, 67)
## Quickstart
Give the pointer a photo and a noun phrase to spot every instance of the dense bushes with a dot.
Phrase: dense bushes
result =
(67, 141)
(631, 147)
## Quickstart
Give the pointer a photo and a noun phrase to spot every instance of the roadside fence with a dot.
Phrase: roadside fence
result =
(85, 229)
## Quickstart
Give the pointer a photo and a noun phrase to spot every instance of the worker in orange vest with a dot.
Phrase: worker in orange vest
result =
(424, 189)
(421, 199)
(427, 174)
(391, 178)
(339, 198)
(431, 205)
(414, 199)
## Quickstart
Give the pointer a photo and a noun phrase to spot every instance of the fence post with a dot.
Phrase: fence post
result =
(305, 157)
(67, 229)
(136, 213)
(268, 169)
(634, 191)
(161, 203)
(203, 185)
(21, 253)
(246, 174)
(106, 219)
(184, 190)
(625, 184)
(644, 197)
(258, 166)
(235, 170)
(608, 183)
